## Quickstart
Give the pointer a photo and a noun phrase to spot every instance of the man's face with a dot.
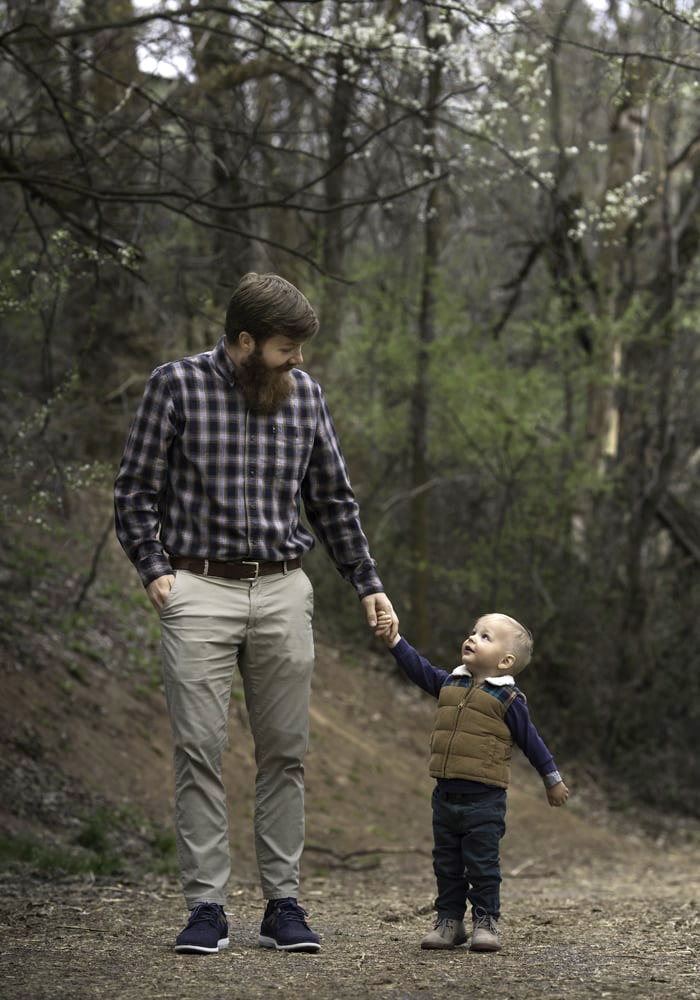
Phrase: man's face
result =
(489, 641)
(280, 352)
(263, 374)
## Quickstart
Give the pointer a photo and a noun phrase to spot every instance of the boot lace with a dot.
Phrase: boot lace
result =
(487, 923)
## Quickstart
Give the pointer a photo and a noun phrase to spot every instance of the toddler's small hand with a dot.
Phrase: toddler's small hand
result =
(557, 794)
(384, 623)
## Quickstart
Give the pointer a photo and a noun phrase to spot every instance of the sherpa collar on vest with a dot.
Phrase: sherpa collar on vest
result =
(462, 671)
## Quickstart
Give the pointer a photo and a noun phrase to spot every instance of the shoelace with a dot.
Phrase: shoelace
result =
(486, 922)
(205, 913)
(289, 910)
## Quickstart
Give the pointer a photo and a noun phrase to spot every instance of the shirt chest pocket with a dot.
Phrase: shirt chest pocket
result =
(291, 452)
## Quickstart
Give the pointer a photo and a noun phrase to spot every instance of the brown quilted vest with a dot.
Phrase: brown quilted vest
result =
(470, 739)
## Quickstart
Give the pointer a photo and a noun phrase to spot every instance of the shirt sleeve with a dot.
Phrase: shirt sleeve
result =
(418, 669)
(525, 735)
(142, 479)
(332, 510)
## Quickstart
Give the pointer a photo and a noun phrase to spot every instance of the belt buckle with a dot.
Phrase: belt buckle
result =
(250, 562)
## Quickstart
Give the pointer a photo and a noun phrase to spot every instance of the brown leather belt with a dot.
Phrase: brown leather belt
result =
(247, 570)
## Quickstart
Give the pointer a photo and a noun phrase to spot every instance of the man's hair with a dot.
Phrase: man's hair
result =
(523, 644)
(265, 305)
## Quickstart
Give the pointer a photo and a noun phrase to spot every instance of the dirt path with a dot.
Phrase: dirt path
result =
(627, 928)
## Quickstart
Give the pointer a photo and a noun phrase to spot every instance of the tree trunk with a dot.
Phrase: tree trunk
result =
(421, 534)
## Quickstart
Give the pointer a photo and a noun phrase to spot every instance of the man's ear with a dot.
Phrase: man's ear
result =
(246, 342)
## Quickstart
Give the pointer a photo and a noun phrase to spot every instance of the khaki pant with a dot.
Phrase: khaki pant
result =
(210, 626)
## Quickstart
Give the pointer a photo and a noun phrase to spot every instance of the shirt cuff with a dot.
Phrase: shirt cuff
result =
(153, 566)
(551, 779)
(366, 581)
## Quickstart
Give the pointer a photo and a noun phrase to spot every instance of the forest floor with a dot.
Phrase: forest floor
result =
(596, 902)
(621, 927)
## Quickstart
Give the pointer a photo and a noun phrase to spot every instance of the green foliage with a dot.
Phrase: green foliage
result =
(97, 848)
(38, 857)
(521, 519)
(164, 853)
(96, 836)
(561, 376)
(28, 287)
(39, 468)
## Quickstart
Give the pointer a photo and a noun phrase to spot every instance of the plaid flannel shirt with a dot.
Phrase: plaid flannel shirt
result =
(204, 476)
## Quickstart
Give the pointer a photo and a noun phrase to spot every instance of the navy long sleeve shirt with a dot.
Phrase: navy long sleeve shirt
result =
(517, 717)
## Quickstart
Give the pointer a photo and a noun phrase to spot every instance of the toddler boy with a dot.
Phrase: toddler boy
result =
(480, 715)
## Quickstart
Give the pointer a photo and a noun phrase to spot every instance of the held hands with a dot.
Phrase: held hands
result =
(557, 794)
(381, 617)
(159, 589)
(385, 630)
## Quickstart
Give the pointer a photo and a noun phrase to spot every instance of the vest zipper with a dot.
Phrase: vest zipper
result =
(460, 706)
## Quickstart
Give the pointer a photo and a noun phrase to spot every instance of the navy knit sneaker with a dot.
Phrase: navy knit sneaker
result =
(206, 931)
(284, 928)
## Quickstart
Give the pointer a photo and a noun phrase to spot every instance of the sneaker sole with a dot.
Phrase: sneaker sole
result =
(268, 942)
(198, 949)
(443, 947)
(486, 947)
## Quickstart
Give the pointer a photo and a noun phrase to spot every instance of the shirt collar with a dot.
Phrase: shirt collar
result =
(223, 362)
(501, 681)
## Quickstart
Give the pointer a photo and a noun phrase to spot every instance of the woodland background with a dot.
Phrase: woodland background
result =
(495, 209)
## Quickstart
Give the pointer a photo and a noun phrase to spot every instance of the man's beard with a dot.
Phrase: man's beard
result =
(264, 389)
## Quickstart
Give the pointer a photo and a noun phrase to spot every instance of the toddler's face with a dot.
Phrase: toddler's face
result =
(486, 646)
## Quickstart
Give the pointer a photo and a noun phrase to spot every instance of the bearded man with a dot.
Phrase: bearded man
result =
(222, 451)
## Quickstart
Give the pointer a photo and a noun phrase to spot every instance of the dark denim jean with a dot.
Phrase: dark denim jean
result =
(467, 831)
